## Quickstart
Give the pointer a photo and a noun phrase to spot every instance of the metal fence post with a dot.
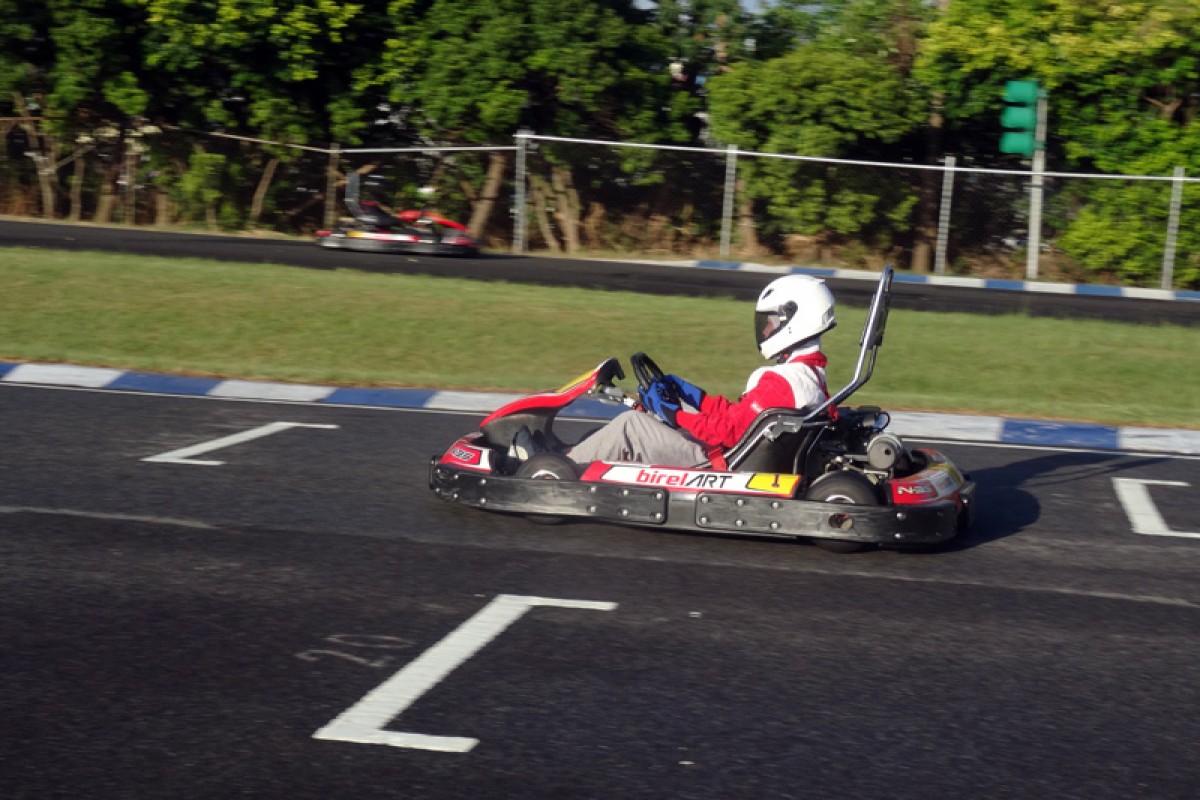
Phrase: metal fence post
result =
(44, 170)
(1036, 191)
(1168, 270)
(728, 204)
(943, 231)
(520, 212)
(332, 174)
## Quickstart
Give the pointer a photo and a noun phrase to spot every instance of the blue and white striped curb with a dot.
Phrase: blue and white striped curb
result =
(1040, 287)
(912, 424)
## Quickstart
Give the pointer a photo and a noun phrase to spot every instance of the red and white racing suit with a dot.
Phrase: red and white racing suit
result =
(705, 433)
(799, 382)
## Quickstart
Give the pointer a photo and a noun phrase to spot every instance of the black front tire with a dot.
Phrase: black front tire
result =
(844, 487)
(549, 467)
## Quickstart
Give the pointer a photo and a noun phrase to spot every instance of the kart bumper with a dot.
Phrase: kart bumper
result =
(908, 525)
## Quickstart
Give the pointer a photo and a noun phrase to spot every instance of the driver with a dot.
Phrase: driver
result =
(791, 314)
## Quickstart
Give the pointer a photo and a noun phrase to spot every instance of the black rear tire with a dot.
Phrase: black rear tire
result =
(843, 487)
(548, 467)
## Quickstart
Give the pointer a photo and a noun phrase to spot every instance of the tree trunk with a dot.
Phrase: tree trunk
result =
(109, 200)
(481, 209)
(748, 244)
(260, 191)
(42, 149)
(162, 208)
(75, 213)
(46, 181)
(540, 197)
(592, 226)
(105, 205)
(315, 200)
(129, 214)
(566, 206)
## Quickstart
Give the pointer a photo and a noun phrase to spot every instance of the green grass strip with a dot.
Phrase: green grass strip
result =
(191, 316)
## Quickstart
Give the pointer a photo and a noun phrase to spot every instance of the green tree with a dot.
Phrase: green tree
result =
(1124, 88)
(290, 71)
(26, 56)
(844, 94)
(201, 186)
(575, 68)
(76, 64)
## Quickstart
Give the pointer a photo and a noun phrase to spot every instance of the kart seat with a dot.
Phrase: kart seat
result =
(778, 440)
(370, 213)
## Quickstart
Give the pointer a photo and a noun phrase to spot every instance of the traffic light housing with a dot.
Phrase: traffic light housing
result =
(1020, 118)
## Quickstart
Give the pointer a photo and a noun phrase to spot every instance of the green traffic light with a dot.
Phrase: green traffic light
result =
(1021, 92)
(1020, 118)
(1018, 143)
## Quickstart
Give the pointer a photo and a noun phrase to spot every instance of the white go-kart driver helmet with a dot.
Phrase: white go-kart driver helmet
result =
(790, 311)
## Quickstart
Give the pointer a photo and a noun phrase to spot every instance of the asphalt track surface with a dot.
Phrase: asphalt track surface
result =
(182, 629)
(647, 278)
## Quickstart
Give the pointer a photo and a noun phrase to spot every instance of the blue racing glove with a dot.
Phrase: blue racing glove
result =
(689, 393)
(656, 399)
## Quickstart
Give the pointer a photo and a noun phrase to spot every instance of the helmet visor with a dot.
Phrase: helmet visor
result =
(766, 323)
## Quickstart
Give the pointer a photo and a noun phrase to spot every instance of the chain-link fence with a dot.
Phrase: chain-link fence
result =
(948, 218)
(1132, 230)
(146, 175)
(656, 202)
(586, 197)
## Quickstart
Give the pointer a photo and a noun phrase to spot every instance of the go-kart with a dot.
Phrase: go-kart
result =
(831, 475)
(371, 228)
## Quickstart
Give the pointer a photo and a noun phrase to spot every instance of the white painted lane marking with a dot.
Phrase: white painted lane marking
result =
(363, 722)
(1140, 508)
(184, 454)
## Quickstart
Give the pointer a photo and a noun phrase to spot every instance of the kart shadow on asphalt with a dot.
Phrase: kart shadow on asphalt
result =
(1005, 506)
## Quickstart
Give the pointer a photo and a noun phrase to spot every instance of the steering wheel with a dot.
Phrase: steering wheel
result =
(648, 373)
